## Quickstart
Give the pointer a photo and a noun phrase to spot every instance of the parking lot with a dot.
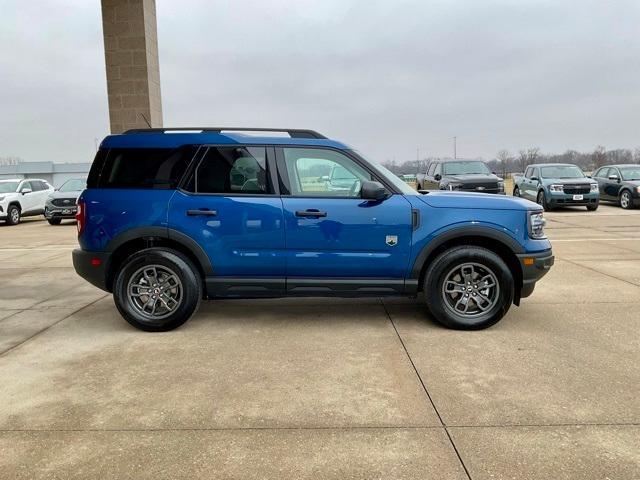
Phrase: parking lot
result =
(325, 388)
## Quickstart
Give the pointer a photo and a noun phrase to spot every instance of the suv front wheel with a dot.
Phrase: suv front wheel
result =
(13, 215)
(468, 288)
(157, 289)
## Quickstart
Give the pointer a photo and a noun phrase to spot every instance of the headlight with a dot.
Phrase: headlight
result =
(501, 186)
(594, 188)
(1, 199)
(637, 190)
(455, 186)
(536, 225)
(556, 188)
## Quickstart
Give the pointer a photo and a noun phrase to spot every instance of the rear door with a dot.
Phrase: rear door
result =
(229, 205)
(337, 242)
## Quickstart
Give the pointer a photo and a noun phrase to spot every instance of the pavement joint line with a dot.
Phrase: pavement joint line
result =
(552, 240)
(424, 387)
(598, 271)
(14, 347)
(319, 428)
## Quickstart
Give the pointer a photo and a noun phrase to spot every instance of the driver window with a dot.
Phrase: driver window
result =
(323, 173)
(26, 185)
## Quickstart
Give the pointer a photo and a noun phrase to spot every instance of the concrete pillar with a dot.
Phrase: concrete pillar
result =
(133, 71)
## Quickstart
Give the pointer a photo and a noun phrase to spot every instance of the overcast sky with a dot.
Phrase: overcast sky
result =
(386, 77)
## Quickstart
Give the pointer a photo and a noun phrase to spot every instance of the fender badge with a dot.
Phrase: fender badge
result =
(392, 240)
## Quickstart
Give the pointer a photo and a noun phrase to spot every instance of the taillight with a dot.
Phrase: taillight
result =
(81, 216)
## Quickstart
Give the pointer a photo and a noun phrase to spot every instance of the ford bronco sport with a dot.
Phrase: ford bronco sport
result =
(173, 216)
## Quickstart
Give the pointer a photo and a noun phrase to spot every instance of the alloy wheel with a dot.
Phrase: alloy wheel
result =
(470, 290)
(155, 291)
(625, 199)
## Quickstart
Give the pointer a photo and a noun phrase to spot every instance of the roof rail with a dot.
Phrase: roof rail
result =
(293, 132)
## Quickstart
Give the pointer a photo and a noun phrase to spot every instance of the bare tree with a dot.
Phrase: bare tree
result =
(505, 158)
(599, 157)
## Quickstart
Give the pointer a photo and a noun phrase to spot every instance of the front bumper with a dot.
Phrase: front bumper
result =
(59, 212)
(559, 199)
(534, 267)
(92, 266)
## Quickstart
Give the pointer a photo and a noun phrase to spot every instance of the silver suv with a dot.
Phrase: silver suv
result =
(23, 198)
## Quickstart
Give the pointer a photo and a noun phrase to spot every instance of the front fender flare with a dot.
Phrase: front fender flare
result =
(462, 231)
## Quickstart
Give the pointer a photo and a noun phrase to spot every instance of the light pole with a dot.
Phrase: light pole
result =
(455, 147)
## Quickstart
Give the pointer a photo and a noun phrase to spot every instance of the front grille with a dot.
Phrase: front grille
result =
(64, 202)
(576, 189)
(489, 187)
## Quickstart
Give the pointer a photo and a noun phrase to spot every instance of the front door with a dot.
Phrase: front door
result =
(336, 242)
(230, 208)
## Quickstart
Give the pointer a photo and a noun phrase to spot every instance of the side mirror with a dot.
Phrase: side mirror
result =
(372, 190)
(613, 177)
(438, 177)
(324, 178)
(25, 190)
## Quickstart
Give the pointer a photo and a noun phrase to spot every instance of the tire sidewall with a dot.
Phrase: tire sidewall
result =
(629, 205)
(10, 211)
(443, 264)
(181, 266)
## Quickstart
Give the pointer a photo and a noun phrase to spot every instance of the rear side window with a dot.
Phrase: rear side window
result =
(232, 170)
(152, 168)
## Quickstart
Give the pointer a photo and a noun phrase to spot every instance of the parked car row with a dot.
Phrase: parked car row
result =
(34, 196)
(558, 185)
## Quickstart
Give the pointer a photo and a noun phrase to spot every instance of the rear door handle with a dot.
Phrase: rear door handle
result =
(209, 213)
(310, 213)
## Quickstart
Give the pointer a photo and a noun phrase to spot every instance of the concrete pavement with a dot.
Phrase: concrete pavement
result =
(317, 388)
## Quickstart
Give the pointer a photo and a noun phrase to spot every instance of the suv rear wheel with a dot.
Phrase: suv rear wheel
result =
(13, 215)
(468, 288)
(157, 289)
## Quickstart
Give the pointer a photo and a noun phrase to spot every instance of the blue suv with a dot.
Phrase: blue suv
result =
(173, 216)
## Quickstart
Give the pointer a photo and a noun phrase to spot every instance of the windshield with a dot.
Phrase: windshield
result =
(630, 173)
(7, 187)
(391, 177)
(73, 185)
(465, 168)
(561, 171)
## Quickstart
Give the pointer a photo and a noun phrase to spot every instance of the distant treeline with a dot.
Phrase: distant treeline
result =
(505, 162)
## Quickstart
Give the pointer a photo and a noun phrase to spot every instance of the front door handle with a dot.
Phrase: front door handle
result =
(209, 213)
(310, 213)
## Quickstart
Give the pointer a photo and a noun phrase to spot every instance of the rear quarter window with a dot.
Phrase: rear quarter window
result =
(147, 168)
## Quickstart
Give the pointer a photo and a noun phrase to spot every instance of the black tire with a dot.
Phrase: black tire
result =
(54, 221)
(626, 203)
(13, 215)
(440, 302)
(594, 207)
(189, 290)
(542, 201)
(516, 192)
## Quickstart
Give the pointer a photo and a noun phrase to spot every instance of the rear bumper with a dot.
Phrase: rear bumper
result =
(534, 267)
(92, 266)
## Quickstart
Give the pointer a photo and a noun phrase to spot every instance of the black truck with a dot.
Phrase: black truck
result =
(460, 175)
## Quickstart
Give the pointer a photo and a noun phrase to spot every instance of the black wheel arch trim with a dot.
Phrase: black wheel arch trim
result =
(458, 232)
(163, 233)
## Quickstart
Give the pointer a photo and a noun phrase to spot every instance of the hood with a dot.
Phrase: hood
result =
(449, 199)
(70, 194)
(569, 181)
(474, 178)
